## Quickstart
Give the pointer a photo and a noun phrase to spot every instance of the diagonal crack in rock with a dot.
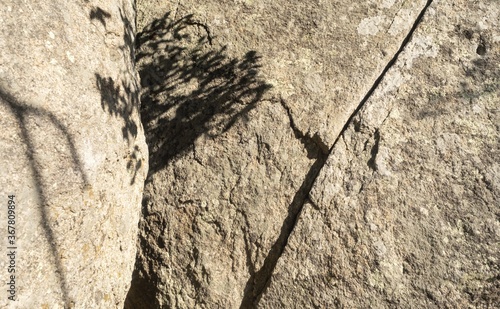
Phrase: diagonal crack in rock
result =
(260, 280)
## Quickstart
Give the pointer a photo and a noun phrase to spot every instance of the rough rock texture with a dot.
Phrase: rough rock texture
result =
(241, 102)
(405, 212)
(74, 151)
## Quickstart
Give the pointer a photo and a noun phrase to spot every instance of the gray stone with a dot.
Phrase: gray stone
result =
(405, 211)
(74, 152)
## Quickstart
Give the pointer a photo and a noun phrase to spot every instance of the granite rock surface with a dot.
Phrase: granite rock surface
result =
(405, 212)
(242, 103)
(74, 152)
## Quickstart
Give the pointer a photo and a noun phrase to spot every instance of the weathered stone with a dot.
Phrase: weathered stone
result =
(405, 212)
(74, 152)
(241, 101)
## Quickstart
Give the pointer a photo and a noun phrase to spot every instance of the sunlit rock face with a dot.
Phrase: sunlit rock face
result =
(74, 152)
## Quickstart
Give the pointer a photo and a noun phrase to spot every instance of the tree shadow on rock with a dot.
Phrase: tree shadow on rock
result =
(120, 96)
(24, 113)
(190, 88)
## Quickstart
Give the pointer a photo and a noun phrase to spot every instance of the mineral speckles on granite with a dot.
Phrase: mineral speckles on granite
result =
(328, 154)
(299, 40)
(381, 159)
(403, 213)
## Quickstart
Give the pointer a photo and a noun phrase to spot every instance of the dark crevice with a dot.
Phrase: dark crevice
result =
(481, 48)
(260, 280)
(248, 247)
(313, 144)
(381, 76)
(189, 89)
(374, 151)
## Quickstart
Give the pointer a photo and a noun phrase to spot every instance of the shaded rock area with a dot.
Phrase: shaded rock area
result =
(405, 212)
(74, 152)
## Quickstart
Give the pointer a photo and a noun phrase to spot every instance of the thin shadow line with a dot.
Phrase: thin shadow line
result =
(21, 112)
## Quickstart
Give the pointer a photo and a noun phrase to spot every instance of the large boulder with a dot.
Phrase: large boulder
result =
(74, 154)
(241, 104)
(405, 213)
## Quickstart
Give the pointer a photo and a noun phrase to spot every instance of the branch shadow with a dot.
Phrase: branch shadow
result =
(23, 112)
(190, 88)
(100, 15)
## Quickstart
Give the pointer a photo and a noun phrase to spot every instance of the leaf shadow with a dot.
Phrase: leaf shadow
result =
(190, 88)
(120, 96)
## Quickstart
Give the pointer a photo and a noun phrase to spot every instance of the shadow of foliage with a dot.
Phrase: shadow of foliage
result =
(190, 88)
(120, 96)
(100, 15)
(119, 100)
